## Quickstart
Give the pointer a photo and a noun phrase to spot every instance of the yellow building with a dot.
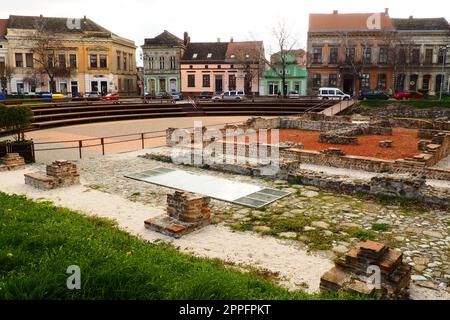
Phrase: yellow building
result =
(95, 59)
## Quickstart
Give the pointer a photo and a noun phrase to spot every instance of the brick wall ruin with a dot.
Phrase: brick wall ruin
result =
(186, 212)
(11, 161)
(352, 272)
(59, 174)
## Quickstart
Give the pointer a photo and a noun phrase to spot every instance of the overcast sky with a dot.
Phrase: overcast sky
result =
(207, 20)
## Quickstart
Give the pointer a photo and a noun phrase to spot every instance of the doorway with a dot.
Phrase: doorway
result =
(219, 84)
(104, 87)
(348, 86)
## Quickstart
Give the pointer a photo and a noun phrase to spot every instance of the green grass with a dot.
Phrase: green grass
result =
(380, 227)
(38, 241)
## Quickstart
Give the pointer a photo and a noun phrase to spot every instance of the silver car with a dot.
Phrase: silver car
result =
(234, 95)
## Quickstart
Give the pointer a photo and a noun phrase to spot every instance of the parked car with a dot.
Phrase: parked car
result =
(176, 96)
(57, 96)
(111, 97)
(217, 97)
(204, 96)
(333, 94)
(163, 95)
(234, 95)
(372, 95)
(406, 95)
(293, 95)
(93, 95)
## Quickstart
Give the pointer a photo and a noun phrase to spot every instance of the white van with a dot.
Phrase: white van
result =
(333, 94)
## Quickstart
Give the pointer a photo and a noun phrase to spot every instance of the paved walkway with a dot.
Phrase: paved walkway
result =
(108, 129)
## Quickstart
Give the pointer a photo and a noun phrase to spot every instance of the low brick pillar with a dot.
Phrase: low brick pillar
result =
(59, 174)
(386, 144)
(12, 161)
(351, 272)
(186, 212)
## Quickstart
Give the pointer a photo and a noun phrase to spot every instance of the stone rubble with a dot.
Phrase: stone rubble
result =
(59, 174)
(12, 161)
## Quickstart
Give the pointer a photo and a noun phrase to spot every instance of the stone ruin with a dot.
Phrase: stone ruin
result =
(59, 174)
(11, 161)
(401, 185)
(186, 212)
(386, 144)
(351, 273)
(333, 152)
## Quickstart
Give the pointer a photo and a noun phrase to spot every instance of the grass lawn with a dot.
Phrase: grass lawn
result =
(38, 242)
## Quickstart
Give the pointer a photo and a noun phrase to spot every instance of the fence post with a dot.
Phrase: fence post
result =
(143, 141)
(80, 145)
(103, 145)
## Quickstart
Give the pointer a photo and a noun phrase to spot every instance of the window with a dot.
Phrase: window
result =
(29, 60)
(173, 63)
(317, 80)
(209, 56)
(93, 61)
(206, 66)
(350, 55)
(367, 55)
(152, 63)
(206, 81)
(161, 63)
(415, 56)
(74, 88)
(2, 64)
(317, 55)
(62, 60)
(441, 56)
(413, 79)
(194, 56)
(332, 80)
(426, 82)
(191, 80)
(119, 61)
(94, 86)
(73, 60)
(402, 56)
(103, 61)
(19, 60)
(334, 54)
(125, 65)
(382, 81)
(365, 81)
(428, 56)
(131, 65)
(383, 59)
(232, 82)
(50, 62)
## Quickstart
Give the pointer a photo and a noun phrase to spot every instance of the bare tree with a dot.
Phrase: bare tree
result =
(6, 73)
(47, 49)
(285, 45)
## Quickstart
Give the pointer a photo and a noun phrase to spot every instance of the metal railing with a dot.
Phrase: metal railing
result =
(102, 142)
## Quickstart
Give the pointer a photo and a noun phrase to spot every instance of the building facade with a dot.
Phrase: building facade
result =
(424, 55)
(296, 74)
(374, 51)
(222, 66)
(93, 58)
(161, 56)
(4, 65)
(346, 52)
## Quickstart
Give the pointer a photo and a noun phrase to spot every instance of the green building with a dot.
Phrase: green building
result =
(296, 76)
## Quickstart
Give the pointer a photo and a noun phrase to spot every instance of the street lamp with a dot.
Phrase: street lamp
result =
(444, 55)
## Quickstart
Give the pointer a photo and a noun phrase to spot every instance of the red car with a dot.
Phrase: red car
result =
(111, 97)
(406, 95)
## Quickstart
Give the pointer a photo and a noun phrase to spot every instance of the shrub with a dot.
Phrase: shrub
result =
(16, 119)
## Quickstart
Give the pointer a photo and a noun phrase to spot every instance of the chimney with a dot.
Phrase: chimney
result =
(411, 17)
(186, 39)
(232, 40)
(335, 11)
(386, 11)
(218, 40)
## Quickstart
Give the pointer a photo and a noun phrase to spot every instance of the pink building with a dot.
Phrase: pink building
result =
(222, 66)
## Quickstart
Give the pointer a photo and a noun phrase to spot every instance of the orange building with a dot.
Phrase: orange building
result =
(349, 51)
